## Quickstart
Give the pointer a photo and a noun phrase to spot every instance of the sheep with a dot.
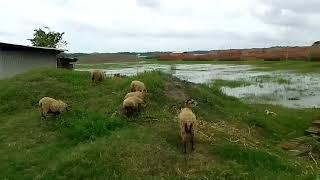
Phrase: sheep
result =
(187, 123)
(97, 76)
(50, 105)
(137, 86)
(139, 94)
(132, 105)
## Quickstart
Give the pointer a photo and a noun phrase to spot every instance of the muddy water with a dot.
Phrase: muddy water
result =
(283, 88)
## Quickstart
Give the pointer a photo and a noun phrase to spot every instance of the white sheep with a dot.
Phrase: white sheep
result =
(97, 75)
(132, 105)
(141, 95)
(50, 105)
(187, 123)
(137, 86)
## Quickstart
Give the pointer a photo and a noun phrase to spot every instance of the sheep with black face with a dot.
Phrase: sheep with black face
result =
(187, 123)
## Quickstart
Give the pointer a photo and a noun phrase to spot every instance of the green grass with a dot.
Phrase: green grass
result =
(283, 81)
(255, 163)
(95, 141)
(229, 83)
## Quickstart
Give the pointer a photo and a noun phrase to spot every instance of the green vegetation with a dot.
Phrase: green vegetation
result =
(283, 81)
(94, 140)
(268, 78)
(47, 38)
(231, 84)
(256, 161)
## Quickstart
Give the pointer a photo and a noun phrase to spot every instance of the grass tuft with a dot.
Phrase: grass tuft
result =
(81, 126)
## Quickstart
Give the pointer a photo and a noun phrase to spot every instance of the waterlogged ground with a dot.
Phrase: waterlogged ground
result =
(286, 88)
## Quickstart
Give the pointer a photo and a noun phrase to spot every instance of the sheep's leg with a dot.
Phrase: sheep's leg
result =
(44, 115)
(41, 112)
(192, 143)
(59, 115)
(185, 146)
(135, 112)
(129, 111)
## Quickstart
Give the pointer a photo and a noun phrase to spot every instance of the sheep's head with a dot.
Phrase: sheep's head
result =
(63, 106)
(145, 95)
(190, 103)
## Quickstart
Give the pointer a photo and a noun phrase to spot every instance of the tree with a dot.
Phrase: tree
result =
(47, 38)
(316, 44)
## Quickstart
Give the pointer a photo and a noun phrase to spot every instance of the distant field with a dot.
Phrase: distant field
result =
(105, 58)
(298, 66)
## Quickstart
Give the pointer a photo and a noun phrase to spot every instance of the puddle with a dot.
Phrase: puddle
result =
(283, 88)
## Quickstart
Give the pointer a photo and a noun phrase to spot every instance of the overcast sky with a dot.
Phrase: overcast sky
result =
(173, 25)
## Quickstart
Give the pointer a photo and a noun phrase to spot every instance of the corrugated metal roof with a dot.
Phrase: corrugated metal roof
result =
(31, 47)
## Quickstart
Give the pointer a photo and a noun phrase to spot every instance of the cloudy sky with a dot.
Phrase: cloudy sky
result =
(174, 25)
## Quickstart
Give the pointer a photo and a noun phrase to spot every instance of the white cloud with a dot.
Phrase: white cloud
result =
(147, 25)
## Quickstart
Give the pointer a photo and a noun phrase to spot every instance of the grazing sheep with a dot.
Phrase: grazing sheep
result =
(132, 105)
(187, 122)
(50, 105)
(97, 76)
(137, 86)
(139, 94)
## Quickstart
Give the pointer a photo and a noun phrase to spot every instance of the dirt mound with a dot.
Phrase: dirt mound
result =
(175, 90)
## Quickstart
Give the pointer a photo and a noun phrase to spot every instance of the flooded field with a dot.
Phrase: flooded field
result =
(277, 87)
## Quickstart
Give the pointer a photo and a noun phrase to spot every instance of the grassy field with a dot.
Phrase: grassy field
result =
(96, 58)
(296, 66)
(95, 141)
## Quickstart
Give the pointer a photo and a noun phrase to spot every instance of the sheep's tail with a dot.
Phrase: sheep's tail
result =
(188, 129)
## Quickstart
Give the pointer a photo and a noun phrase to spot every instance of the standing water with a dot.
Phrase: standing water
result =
(277, 87)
